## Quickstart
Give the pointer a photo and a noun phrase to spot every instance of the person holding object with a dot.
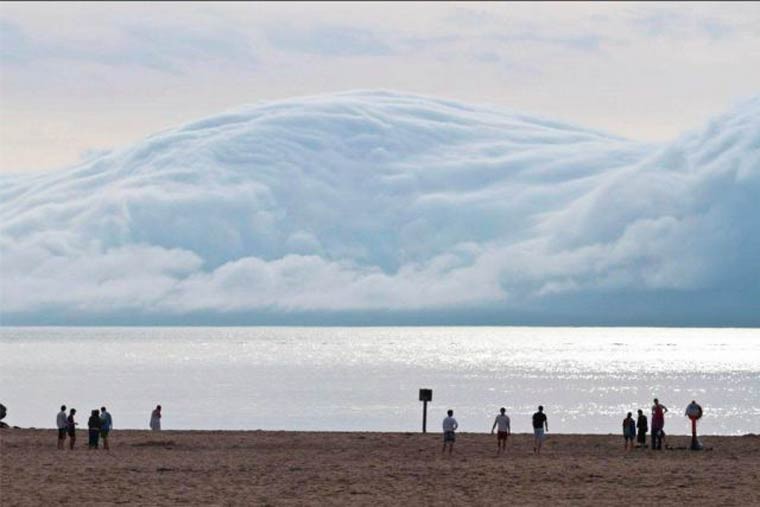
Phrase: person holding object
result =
(155, 419)
(694, 413)
(502, 421)
(450, 425)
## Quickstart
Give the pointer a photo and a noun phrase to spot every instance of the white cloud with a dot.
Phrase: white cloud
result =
(378, 201)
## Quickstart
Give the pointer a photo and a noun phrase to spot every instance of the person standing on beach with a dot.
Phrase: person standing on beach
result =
(643, 426)
(106, 423)
(502, 421)
(71, 428)
(450, 426)
(155, 419)
(93, 425)
(539, 423)
(658, 424)
(61, 424)
(694, 413)
(629, 431)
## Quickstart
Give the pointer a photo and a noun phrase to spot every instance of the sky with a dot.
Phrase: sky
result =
(436, 163)
(80, 78)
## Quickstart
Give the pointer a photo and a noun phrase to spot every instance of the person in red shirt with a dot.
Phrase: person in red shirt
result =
(658, 424)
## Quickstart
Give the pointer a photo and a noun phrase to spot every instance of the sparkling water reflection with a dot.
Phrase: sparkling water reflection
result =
(367, 378)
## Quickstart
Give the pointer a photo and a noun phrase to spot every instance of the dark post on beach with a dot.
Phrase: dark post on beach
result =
(425, 396)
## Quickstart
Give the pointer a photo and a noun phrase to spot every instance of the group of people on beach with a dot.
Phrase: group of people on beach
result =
(632, 429)
(99, 426)
(638, 429)
(502, 426)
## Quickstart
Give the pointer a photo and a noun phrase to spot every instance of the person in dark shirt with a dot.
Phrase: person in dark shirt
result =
(71, 428)
(643, 426)
(93, 424)
(539, 423)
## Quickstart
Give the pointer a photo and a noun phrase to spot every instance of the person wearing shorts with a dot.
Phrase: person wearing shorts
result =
(502, 421)
(540, 424)
(450, 426)
(629, 431)
(61, 424)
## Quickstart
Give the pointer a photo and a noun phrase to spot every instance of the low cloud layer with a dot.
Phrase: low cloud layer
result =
(376, 202)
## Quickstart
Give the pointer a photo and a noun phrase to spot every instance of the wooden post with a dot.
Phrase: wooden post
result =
(425, 396)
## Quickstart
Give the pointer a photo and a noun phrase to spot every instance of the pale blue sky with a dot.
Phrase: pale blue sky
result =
(76, 78)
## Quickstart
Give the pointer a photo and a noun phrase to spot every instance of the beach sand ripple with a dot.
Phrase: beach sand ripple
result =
(304, 468)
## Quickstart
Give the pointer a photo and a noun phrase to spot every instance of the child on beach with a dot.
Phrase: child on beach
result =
(629, 431)
(643, 426)
(93, 424)
(450, 425)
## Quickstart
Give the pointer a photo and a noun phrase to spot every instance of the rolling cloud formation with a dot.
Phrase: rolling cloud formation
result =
(388, 203)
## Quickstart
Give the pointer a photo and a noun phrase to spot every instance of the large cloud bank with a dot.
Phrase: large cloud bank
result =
(379, 203)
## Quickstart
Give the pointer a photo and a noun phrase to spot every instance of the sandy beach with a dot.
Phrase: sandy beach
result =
(304, 468)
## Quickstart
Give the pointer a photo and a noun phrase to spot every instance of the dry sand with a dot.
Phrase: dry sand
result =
(273, 468)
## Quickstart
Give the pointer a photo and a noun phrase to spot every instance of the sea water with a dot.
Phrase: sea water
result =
(367, 379)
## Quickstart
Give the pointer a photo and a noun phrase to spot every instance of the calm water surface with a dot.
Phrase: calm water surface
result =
(367, 378)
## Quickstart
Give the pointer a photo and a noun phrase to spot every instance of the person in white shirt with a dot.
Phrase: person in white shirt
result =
(61, 424)
(450, 425)
(502, 421)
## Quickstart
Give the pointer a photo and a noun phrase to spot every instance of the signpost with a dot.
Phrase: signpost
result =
(425, 396)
